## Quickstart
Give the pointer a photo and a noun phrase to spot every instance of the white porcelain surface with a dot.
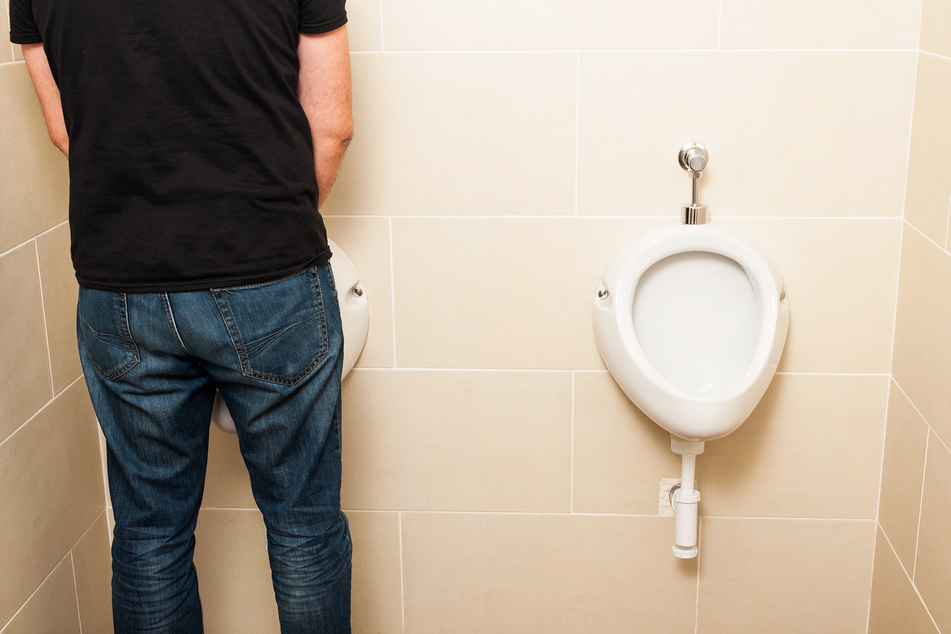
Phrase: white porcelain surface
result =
(693, 326)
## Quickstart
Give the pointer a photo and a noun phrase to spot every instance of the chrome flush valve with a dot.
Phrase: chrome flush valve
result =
(693, 158)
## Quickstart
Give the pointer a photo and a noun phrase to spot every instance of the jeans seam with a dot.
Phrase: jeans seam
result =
(170, 319)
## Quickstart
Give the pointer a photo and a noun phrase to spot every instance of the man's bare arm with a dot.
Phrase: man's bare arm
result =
(324, 92)
(48, 92)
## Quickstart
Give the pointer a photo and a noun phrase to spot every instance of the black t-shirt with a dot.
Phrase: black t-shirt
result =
(191, 159)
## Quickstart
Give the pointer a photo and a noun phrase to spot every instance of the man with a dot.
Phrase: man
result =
(202, 137)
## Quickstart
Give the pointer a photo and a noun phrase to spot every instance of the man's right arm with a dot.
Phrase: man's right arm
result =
(48, 92)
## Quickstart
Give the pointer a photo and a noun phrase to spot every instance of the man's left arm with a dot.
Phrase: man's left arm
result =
(324, 91)
(48, 92)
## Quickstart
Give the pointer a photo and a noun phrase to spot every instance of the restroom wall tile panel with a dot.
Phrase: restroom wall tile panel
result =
(544, 573)
(929, 180)
(237, 596)
(841, 276)
(933, 568)
(470, 134)
(620, 454)
(464, 441)
(25, 384)
(92, 563)
(502, 292)
(60, 294)
(51, 493)
(789, 133)
(6, 50)
(52, 608)
(367, 242)
(906, 436)
(895, 605)
(936, 27)
(364, 25)
(541, 24)
(812, 448)
(922, 364)
(784, 576)
(820, 24)
(33, 172)
(227, 483)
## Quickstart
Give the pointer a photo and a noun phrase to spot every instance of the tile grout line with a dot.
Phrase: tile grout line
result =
(32, 594)
(31, 238)
(571, 470)
(392, 287)
(910, 580)
(921, 504)
(947, 229)
(577, 126)
(72, 565)
(38, 412)
(402, 580)
(627, 51)
(46, 330)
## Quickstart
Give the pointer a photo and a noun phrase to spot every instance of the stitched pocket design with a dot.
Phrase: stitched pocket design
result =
(103, 332)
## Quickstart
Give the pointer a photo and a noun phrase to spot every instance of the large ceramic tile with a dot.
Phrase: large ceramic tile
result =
(502, 292)
(60, 293)
(841, 279)
(906, 437)
(466, 441)
(922, 364)
(539, 24)
(936, 27)
(544, 573)
(52, 609)
(929, 186)
(33, 172)
(377, 573)
(784, 576)
(51, 493)
(364, 28)
(895, 606)
(812, 448)
(620, 455)
(6, 50)
(227, 483)
(366, 242)
(933, 569)
(460, 134)
(821, 24)
(789, 133)
(25, 384)
(92, 562)
(234, 575)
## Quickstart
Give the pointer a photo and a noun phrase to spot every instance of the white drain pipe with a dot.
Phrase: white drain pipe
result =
(685, 499)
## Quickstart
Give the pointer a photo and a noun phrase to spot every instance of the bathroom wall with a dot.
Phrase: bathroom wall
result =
(912, 552)
(496, 478)
(54, 543)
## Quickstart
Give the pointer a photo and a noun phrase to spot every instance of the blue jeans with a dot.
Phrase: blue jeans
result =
(152, 362)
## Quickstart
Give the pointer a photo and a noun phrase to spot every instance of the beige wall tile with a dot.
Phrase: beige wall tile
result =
(936, 27)
(784, 575)
(544, 573)
(501, 292)
(812, 448)
(922, 363)
(895, 605)
(52, 610)
(537, 24)
(364, 28)
(92, 562)
(620, 455)
(51, 493)
(929, 184)
(60, 294)
(933, 569)
(377, 572)
(227, 483)
(367, 243)
(775, 124)
(234, 575)
(25, 384)
(460, 134)
(33, 172)
(465, 441)
(819, 24)
(841, 277)
(906, 437)
(6, 49)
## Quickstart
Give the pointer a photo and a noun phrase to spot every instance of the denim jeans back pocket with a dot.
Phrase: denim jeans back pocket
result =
(102, 327)
(279, 329)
